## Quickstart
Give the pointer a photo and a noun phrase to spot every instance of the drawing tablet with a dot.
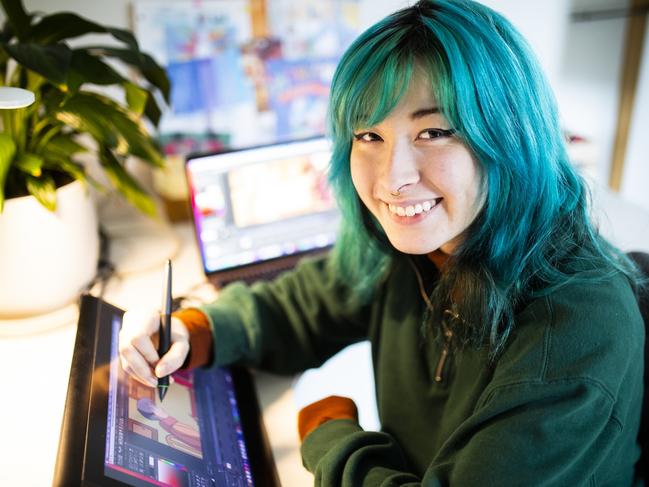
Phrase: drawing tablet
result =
(116, 432)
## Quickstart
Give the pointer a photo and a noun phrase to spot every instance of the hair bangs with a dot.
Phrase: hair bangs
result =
(381, 94)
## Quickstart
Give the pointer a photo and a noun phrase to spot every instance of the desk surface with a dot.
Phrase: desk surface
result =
(35, 355)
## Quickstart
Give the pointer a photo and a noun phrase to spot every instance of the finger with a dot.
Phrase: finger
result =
(173, 359)
(127, 368)
(140, 345)
(137, 366)
(144, 345)
(144, 380)
(179, 331)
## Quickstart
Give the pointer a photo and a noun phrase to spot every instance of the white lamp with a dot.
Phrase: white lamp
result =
(11, 97)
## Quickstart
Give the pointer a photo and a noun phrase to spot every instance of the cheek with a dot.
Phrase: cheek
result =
(460, 183)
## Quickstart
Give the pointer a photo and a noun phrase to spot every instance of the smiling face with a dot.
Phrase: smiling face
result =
(420, 181)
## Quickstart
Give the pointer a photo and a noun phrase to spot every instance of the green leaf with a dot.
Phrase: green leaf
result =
(152, 110)
(74, 169)
(63, 146)
(85, 113)
(7, 152)
(125, 183)
(151, 70)
(136, 97)
(7, 33)
(86, 68)
(139, 143)
(67, 25)
(17, 17)
(44, 190)
(30, 163)
(107, 117)
(52, 62)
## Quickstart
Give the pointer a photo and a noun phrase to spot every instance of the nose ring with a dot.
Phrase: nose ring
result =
(397, 192)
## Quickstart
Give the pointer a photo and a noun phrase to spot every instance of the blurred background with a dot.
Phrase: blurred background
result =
(249, 71)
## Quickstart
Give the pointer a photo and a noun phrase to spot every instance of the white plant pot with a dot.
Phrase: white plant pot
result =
(46, 258)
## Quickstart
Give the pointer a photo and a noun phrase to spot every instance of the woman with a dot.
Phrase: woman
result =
(506, 339)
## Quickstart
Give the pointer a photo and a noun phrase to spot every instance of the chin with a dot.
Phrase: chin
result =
(413, 248)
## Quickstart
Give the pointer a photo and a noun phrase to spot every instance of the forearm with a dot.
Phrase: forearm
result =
(287, 325)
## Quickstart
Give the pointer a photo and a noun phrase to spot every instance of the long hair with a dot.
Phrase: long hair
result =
(533, 233)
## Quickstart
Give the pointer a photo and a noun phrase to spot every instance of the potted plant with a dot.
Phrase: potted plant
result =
(40, 146)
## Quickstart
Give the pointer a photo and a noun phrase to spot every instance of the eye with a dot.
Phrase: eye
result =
(367, 137)
(435, 133)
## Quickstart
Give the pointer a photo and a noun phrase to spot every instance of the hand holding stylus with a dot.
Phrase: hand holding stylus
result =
(138, 346)
(138, 350)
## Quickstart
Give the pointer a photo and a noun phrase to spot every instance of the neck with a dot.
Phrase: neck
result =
(438, 258)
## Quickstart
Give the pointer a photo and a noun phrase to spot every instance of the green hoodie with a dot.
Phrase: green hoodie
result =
(560, 406)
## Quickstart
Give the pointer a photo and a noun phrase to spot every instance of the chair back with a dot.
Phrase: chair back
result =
(641, 259)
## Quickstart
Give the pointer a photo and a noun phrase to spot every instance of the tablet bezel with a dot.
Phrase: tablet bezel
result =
(80, 460)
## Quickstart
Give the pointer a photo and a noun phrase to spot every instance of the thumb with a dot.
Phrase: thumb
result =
(173, 359)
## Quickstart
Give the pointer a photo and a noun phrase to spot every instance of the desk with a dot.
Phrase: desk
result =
(35, 357)
(32, 401)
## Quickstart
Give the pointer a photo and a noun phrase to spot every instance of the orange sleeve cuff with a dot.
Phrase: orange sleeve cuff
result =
(332, 407)
(200, 337)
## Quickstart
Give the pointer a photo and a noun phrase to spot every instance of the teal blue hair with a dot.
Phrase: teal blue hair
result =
(533, 233)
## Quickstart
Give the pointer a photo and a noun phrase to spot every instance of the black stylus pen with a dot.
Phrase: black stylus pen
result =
(164, 334)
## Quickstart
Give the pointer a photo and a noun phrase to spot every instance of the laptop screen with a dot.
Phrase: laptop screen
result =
(263, 203)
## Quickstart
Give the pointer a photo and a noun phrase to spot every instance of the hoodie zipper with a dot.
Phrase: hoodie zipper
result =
(448, 333)
(446, 350)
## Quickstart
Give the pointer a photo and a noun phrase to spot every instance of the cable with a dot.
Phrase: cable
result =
(105, 267)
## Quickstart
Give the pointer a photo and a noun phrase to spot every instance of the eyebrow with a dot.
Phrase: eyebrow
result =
(423, 112)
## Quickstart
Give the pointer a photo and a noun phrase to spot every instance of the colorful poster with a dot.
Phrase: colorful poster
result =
(244, 72)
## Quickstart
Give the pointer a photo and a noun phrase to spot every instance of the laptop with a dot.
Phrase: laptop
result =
(256, 211)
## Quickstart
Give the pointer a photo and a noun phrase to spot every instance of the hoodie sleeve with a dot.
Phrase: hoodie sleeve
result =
(533, 433)
(288, 325)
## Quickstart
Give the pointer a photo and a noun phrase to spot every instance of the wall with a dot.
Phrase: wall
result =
(548, 41)
(588, 96)
(636, 166)
(113, 12)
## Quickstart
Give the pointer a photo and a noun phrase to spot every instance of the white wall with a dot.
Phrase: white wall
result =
(112, 12)
(588, 93)
(544, 24)
(635, 183)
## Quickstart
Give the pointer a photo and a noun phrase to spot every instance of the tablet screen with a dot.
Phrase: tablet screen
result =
(192, 438)
(208, 431)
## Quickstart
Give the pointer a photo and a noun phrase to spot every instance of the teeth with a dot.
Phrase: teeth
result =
(412, 210)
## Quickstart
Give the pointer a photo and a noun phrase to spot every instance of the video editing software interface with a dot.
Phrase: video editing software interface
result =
(191, 439)
(258, 204)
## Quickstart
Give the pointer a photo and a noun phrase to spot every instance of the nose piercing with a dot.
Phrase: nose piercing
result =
(397, 192)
